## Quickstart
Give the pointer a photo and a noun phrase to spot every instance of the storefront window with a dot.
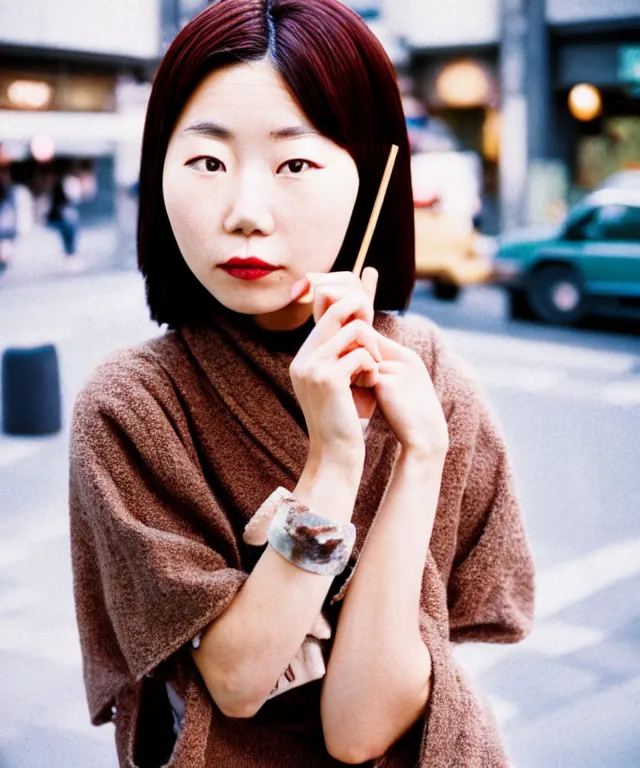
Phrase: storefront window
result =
(615, 148)
(64, 92)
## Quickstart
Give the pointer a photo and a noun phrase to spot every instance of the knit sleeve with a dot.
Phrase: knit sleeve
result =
(478, 579)
(154, 559)
(489, 574)
(489, 596)
(491, 587)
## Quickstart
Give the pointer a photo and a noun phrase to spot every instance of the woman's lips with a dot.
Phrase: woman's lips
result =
(248, 273)
(248, 269)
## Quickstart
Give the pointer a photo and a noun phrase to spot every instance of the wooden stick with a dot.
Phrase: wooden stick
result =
(375, 213)
(373, 220)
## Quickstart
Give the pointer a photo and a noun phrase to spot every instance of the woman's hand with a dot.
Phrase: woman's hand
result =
(401, 385)
(329, 287)
(409, 403)
(341, 347)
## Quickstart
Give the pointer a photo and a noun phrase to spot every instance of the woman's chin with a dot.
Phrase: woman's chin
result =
(252, 305)
(271, 309)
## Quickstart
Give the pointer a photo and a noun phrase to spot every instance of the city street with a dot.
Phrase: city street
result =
(569, 403)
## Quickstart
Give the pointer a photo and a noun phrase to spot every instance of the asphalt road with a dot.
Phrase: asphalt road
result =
(568, 400)
(569, 403)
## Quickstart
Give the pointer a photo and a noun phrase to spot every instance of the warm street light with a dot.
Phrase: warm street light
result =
(463, 84)
(585, 102)
(29, 94)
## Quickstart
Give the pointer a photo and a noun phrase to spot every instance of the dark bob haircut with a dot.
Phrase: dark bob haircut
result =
(339, 74)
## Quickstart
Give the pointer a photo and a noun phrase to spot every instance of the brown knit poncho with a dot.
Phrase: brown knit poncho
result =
(175, 444)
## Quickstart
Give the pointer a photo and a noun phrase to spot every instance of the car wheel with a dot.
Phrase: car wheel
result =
(518, 306)
(555, 295)
(445, 291)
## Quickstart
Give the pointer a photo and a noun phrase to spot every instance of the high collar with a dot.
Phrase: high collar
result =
(288, 342)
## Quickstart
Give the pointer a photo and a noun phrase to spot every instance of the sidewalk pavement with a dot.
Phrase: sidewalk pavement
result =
(568, 697)
(44, 721)
(38, 254)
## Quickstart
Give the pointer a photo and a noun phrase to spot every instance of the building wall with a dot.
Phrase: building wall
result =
(104, 48)
(597, 63)
(443, 23)
(577, 11)
(119, 27)
(447, 23)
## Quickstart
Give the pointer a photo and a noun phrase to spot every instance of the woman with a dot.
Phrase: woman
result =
(227, 477)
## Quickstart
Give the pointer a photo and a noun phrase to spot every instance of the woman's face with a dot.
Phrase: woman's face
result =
(246, 175)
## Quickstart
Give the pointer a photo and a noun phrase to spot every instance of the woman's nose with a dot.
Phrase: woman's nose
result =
(250, 210)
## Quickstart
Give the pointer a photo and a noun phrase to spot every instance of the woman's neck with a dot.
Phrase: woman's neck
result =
(287, 319)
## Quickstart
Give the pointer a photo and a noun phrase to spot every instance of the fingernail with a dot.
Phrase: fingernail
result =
(297, 287)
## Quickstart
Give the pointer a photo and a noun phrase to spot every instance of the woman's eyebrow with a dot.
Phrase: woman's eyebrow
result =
(208, 130)
(294, 132)
(212, 130)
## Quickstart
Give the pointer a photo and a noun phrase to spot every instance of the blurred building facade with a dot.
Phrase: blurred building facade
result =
(496, 78)
(74, 83)
(508, 78)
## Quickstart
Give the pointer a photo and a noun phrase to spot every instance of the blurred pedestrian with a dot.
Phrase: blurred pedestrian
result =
(63, 214)
(8, 215)
(272, 543)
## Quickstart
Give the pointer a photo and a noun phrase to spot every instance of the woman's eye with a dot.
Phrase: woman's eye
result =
(206, 164)
(295, 167)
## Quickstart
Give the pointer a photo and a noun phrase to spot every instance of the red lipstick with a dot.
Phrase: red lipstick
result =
(250, 268)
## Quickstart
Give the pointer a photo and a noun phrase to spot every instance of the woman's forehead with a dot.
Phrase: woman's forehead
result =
(243, 93)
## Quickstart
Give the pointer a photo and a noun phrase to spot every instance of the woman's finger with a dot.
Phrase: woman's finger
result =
(333, 286)
(370, 282)
(325, 288)
(356, 363)
(353, 307)
(392, 350)
(333, 278)
(327, 295)
(355, 334)
(367, 380)
(299, 289)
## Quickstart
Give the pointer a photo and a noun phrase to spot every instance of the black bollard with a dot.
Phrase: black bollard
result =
(31, 391)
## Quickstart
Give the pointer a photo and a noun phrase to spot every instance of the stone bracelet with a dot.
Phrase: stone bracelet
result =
(310, 541)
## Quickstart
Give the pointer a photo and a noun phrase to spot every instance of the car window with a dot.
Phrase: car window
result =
(577, 229)
(608, 222)
(626, 226)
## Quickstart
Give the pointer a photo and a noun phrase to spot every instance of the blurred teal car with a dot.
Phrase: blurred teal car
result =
(589, 264)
